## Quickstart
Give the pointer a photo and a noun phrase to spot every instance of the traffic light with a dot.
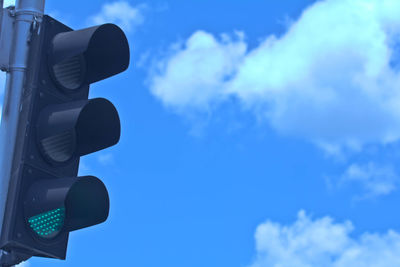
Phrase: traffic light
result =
(58, 124)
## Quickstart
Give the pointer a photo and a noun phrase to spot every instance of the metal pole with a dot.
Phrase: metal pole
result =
(27, 12)
(1, 13)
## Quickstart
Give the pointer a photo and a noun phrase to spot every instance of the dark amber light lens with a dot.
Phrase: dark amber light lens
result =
(70, 73)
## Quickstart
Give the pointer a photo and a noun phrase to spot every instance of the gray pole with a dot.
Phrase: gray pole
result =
(27, 12)
(1, 13)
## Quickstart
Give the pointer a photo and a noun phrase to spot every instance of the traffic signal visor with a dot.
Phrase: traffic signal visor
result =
(88, 55)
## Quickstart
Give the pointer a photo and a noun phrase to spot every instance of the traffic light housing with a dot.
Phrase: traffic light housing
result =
(59, 124)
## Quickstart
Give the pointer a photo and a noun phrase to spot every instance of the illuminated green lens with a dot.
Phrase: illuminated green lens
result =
(48, 224)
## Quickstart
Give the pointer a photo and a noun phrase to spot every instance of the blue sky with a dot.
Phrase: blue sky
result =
(254, 134)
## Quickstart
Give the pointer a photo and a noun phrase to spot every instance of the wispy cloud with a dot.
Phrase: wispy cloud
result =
(330, 79)
(121, 13)
(323, 242)
(374, 180)
(106, 158)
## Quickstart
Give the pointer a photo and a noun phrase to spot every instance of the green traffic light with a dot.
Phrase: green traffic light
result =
(48, 224)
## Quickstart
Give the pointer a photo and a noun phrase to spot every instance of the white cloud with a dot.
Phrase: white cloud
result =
(374, 179)
(195, 76)
(330, 79)
(323, 242)
(121, 13)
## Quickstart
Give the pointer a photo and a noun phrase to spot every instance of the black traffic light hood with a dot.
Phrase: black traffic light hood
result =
(104, 48)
